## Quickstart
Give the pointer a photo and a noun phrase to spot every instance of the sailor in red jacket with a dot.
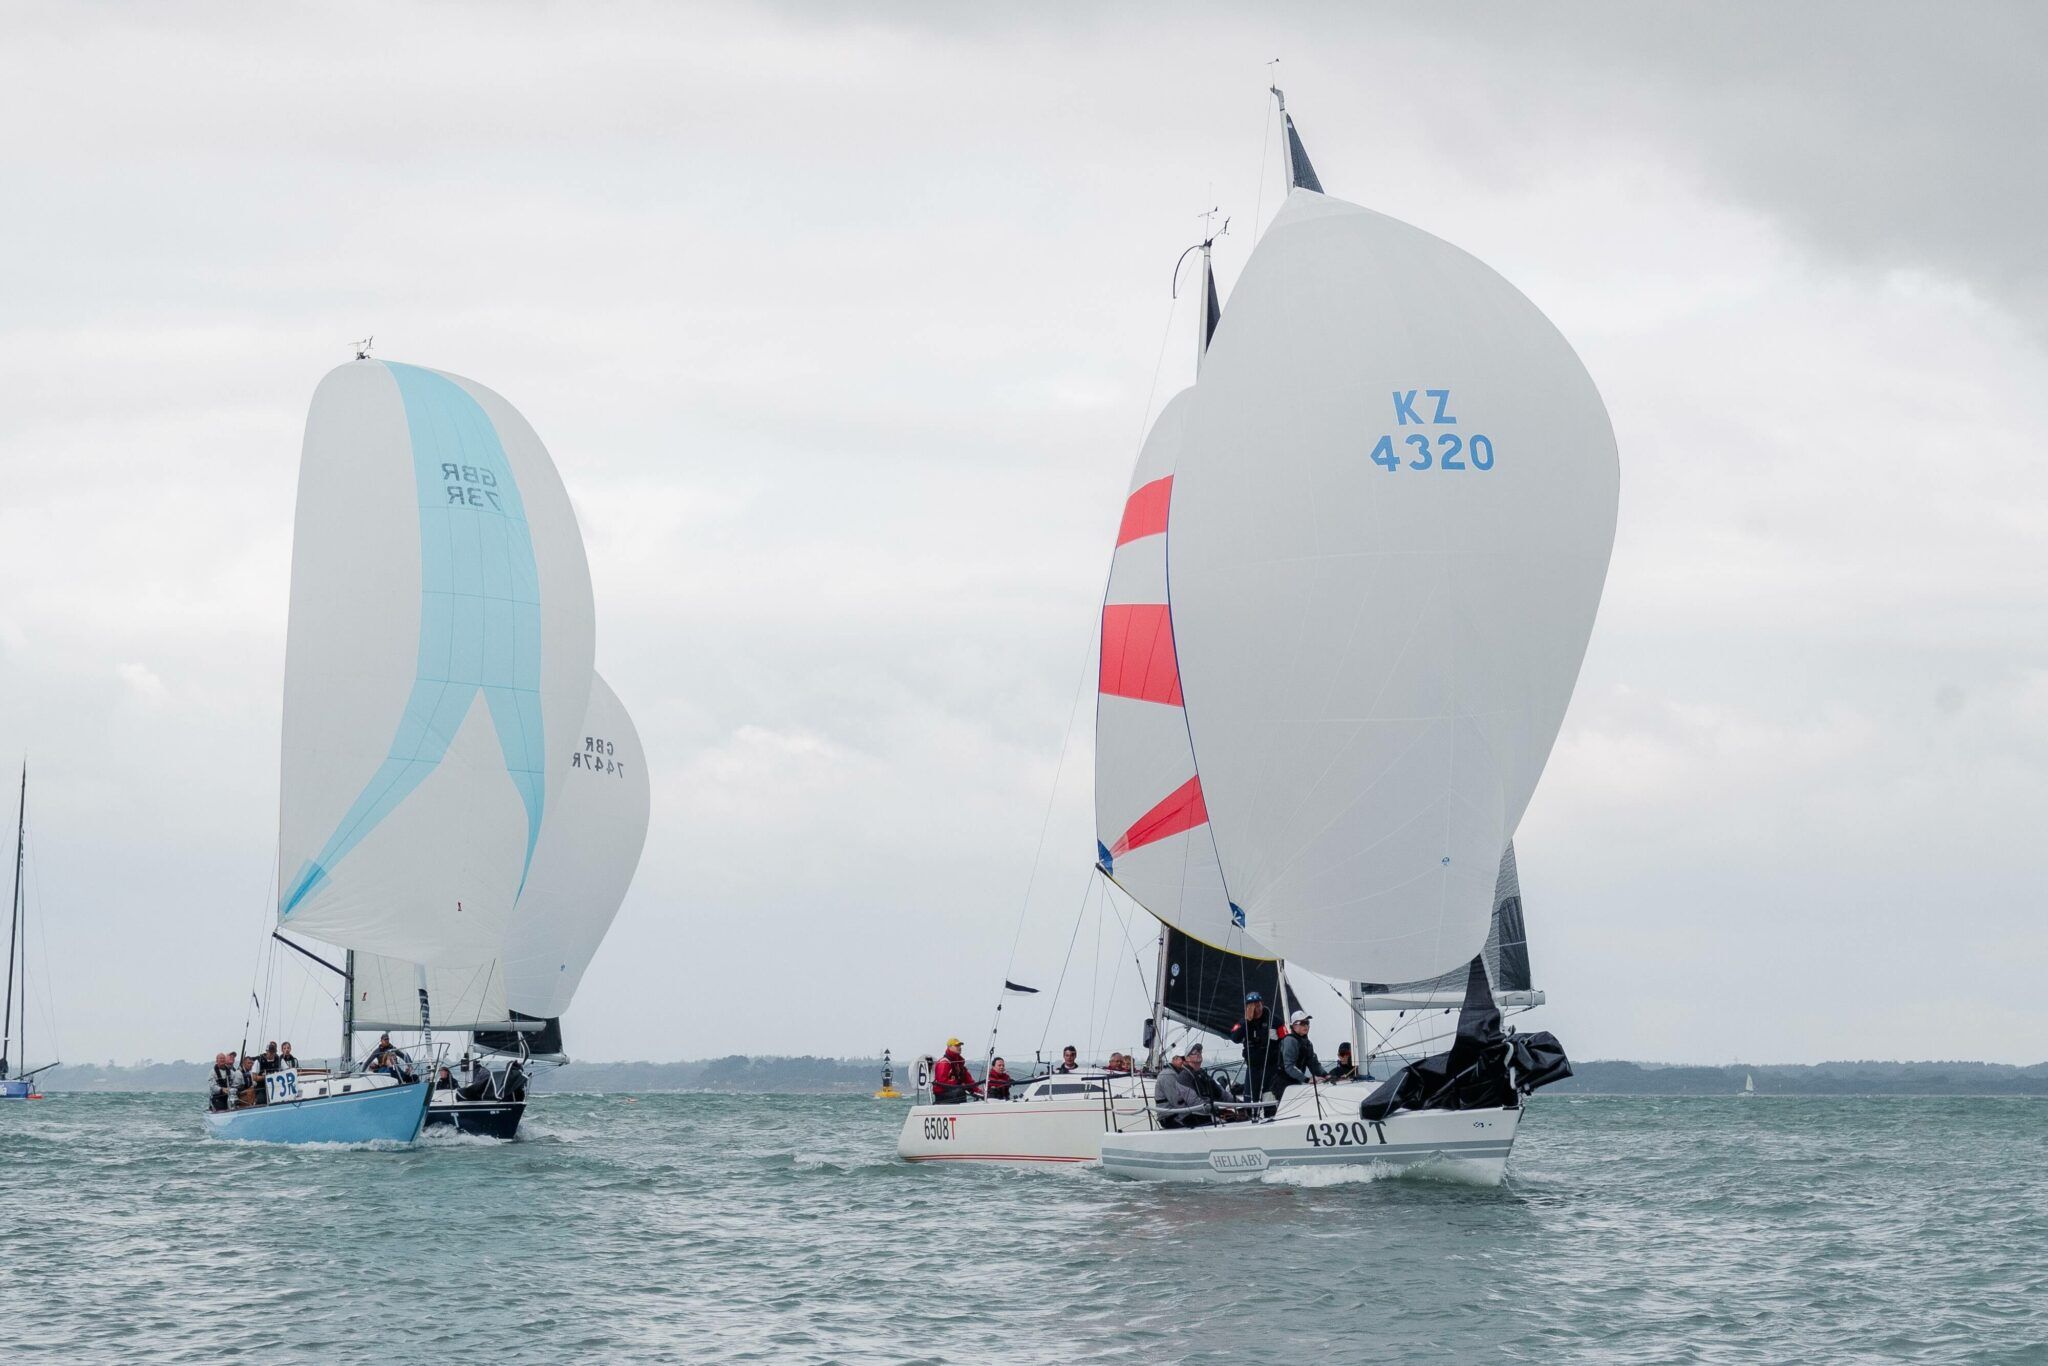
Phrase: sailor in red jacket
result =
(952, 1081)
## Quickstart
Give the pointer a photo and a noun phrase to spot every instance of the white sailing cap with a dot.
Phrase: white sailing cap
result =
(1299, 1017)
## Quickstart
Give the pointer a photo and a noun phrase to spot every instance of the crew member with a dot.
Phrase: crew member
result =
(284, 1055)
(998, 1080)
(952, 1080)
(1068, 1063)
(1180, 1104)
(1345, 1069)
(1298, 1061)
(1254, 1034)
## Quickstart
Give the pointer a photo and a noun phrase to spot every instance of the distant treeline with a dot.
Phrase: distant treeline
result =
(855, 1076)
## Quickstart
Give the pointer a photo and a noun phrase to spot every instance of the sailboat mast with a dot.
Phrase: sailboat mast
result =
(1158, 1030)
(348, 1008)
(14, 936)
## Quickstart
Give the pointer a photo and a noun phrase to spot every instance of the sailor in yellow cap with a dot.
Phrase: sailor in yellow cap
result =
(952, 1080)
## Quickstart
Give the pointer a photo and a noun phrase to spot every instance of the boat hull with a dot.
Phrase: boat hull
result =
(1021, 1132)
(484, 1118)
(390, 1114)
(1321, 1131)
(19, 1089)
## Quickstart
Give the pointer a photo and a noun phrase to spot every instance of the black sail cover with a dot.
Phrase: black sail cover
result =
(1505, 954)
(1206, 986)
(1484, 1068)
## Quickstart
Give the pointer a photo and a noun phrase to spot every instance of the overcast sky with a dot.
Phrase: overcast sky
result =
(844, 333)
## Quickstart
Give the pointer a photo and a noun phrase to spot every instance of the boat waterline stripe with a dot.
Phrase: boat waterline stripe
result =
(1361, 1156)
(480, 624)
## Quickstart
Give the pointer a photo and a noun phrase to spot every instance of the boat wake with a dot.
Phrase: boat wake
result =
(442, 1136)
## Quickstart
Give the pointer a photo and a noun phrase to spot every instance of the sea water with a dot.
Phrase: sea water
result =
(770, 1228)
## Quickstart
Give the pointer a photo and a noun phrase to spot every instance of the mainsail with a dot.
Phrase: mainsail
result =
(1393, 506)
(438, 654)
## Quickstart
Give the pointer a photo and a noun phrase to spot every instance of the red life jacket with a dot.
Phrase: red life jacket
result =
(951, 1072)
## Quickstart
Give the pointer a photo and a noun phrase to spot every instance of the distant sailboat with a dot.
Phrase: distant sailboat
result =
(437, 664)
(18, 1085)
(1389, 530)
(1748, 1086)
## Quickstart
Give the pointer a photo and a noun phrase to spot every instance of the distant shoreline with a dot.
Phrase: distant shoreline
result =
(740, 1075)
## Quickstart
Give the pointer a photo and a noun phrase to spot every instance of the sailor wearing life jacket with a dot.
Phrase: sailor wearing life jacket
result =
(952, 1081)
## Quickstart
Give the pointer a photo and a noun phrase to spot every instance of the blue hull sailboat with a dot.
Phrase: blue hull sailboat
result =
(438, 795)
(344, 1110)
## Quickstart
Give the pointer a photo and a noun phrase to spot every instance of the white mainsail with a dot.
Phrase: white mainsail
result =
(1392, 515)
(585, 861)
(438, 653)
(391, 993)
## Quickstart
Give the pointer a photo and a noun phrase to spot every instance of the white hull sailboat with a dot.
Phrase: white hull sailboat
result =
(1318, 1128)
(1384, 541)
(1062, 1118)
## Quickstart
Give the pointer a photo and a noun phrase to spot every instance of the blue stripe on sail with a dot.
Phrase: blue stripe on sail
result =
(479, 618)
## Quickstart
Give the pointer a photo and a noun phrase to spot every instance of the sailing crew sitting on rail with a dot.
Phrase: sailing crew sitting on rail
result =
(1199, 1078)
(271, 1062)
(1180, 1104)
(952, 1080)
(1117, 1066)
(383, 1058)
(1298, 1061)
(284, 1055)
(1067, 1060)
(1254, 1034)
(223, 1084)
(252, 1081)
(1345, 1069)
(998, 1080)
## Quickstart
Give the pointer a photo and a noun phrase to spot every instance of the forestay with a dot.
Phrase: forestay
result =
(439, 654)
(1391, 521)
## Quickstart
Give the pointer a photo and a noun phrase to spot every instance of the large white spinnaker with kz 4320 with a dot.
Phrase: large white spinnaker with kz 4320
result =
(1389, 530)
(437, 684)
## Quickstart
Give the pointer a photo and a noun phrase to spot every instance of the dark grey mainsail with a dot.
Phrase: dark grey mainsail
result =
(1505, 956)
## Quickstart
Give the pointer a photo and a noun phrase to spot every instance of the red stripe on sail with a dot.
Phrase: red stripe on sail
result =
(1137, 653)
(1145, 512)
(1183, 809)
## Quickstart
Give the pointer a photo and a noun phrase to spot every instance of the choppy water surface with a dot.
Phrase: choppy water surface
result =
(783, 1228)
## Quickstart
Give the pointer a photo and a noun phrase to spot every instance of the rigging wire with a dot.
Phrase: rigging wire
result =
(1080, 912)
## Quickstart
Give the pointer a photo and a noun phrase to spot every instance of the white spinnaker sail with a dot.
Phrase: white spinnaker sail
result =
(585, 862)
(1151, 825)
(387, 992)
(439, 648)
(1375, 661)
